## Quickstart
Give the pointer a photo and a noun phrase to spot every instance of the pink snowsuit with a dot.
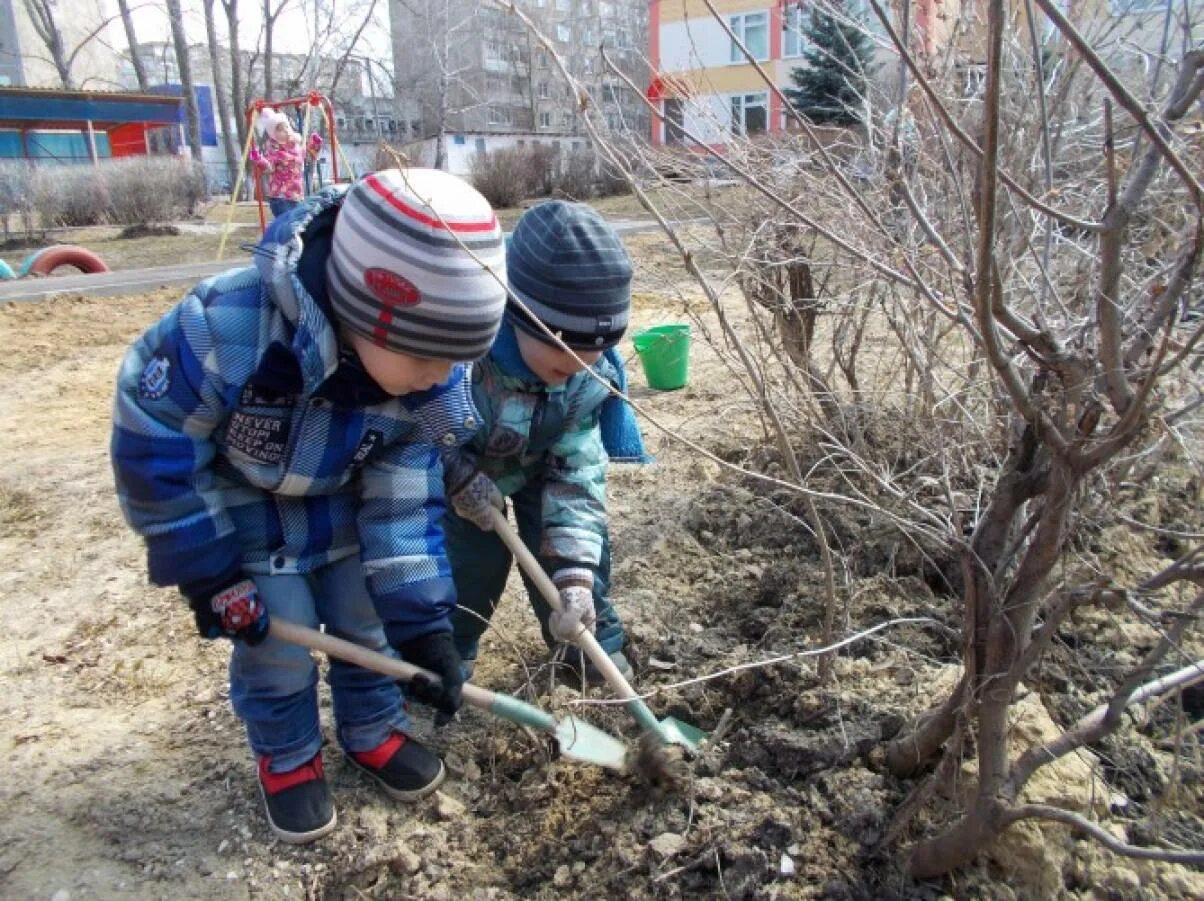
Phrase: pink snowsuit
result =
(283, 163)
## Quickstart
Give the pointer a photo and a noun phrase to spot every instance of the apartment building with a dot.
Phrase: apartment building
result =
(480, 80)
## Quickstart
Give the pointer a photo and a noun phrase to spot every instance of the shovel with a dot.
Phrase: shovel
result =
(669, 730)
(577, 739)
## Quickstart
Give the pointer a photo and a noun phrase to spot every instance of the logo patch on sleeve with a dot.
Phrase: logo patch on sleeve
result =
(156, 378)
(370, 442)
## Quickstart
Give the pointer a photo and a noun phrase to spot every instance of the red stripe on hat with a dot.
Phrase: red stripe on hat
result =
(376, 185)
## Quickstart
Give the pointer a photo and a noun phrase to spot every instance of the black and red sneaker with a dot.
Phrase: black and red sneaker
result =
(298, 802)
(405, 769)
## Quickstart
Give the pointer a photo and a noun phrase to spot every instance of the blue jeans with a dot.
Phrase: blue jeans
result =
(274, 686)
(481, 562)
(280, 205)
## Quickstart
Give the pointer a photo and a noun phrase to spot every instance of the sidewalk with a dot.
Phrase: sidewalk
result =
(139, 281)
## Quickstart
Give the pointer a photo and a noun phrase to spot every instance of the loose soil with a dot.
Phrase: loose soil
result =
(128, 775)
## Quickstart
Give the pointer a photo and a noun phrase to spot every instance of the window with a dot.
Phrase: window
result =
(543, 90)
(564, 6)
(794, 42)
(750, 113)
(499, 115)
(545, 120)
(753, 30)
(458, 139)
(541, 60)
(563, 33)
(495, 57)
(480, 142)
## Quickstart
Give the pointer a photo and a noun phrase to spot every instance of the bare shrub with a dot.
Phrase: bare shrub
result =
(132, 191)
(145, 190)
(16, 200)
(962, 327)
(69, 196)
(503, 176)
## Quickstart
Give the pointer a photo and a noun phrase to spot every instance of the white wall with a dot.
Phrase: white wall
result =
(459, 156)
(698, 43)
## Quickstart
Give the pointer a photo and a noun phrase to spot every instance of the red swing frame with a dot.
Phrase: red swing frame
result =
(313, 98)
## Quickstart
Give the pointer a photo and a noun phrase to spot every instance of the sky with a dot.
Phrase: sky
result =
(290, 35)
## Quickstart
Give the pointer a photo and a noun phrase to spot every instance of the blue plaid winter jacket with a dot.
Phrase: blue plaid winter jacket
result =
(232, 452)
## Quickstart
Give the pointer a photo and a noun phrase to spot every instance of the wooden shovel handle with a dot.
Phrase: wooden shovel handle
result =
(585, 638)
(294, 633)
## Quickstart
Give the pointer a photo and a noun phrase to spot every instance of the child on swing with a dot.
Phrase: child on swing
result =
(283, 159)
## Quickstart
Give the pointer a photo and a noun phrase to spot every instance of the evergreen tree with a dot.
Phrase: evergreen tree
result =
(839, 55)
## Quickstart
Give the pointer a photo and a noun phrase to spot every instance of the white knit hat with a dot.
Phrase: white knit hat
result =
(269, 119)
(402, 270)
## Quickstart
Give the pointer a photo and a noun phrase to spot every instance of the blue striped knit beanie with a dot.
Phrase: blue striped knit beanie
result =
(402, 271)
(571, 270)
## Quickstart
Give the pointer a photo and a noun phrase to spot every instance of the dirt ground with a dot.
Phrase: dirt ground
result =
(128, 775)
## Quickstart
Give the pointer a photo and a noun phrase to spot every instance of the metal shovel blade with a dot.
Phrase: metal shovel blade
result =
(682, 733)
(580, 741)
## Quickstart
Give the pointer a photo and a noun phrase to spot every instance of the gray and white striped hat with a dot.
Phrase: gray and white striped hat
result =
(399, 272)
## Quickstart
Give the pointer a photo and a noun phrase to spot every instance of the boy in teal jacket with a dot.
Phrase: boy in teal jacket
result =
(540, 443)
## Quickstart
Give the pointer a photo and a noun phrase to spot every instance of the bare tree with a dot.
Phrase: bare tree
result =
(434, 65)
(47, 26)
(127, 23)
(236, 71)
(179, 38)
(270, 14)
(218, 64)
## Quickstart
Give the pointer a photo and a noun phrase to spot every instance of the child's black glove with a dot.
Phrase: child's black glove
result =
(435, 652)
(236, 612)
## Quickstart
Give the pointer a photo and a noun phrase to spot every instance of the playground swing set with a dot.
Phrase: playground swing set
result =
(304, 107)
(44, 261)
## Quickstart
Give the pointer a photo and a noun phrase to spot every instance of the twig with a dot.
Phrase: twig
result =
(772, 661)
(1101, 835)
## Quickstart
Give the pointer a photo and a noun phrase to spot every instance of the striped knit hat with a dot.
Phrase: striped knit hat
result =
(398, 272)
(571, 270)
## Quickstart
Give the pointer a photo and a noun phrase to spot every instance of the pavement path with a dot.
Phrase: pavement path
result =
(139, 281)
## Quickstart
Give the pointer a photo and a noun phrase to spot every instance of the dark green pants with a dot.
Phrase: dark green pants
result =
(481, 562)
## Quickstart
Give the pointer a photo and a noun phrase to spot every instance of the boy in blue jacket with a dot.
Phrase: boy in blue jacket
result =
(276, 442)
(542, 438)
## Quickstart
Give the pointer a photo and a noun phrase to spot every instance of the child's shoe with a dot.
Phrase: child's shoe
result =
(298, 802)
(405, 769)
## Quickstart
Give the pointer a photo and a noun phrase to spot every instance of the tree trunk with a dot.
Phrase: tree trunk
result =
(229, 144)
(236, 88)
(131, 38)
(269, 22)
(41, 15)
(180, 40)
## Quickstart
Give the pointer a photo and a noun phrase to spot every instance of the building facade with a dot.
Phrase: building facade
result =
(704, 85)
(478, 79)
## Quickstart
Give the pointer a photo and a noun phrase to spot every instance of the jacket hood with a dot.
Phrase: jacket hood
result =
(278, 259)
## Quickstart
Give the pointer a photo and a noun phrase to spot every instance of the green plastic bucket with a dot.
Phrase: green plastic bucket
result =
(665, 355)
